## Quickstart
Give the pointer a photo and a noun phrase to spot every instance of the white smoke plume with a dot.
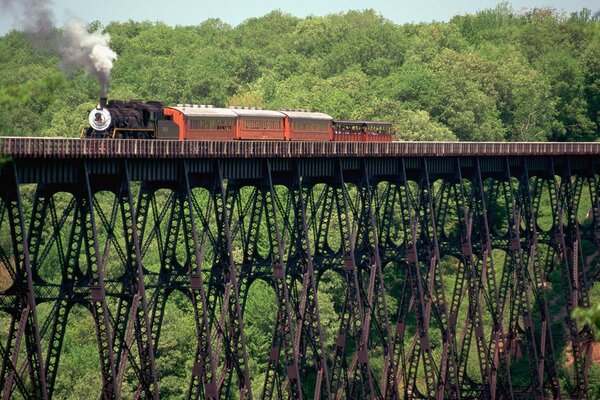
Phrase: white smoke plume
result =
(77, 46)
(80, 48)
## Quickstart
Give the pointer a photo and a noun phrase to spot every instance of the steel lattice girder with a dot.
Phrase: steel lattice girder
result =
(465, 249)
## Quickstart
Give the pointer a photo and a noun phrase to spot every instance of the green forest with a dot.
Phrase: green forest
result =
(497, 75)
(532, 75)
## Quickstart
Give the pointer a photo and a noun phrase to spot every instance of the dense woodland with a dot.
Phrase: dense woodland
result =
(531, 75)
(499, 74)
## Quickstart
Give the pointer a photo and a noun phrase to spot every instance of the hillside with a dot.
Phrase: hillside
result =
(494, 75)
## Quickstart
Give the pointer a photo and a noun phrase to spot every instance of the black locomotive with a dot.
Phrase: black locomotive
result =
(124, 119)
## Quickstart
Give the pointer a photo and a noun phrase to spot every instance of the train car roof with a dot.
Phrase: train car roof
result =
(256, 113)
(204, 111)
(307, 115)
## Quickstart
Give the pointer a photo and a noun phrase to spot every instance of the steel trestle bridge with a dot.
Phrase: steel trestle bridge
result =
(460, 263)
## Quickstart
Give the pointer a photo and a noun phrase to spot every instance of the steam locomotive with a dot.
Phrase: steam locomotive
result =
(120, 119)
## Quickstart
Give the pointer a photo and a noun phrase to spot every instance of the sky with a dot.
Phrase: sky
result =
(233, 12)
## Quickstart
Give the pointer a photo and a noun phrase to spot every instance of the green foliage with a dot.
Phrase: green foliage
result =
(79, 363)
(589, 317)
(417, 125)
(494, 75)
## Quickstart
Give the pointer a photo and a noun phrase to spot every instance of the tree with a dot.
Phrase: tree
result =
(566, 77)
(418, 126)
(466, 100)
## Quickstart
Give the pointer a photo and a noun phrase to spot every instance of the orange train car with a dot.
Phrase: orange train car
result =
(203, 122)
(256, 124)
(308, 125)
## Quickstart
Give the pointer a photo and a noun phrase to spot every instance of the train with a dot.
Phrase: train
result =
(119, 119)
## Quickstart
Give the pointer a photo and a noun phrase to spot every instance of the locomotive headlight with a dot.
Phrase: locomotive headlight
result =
(99, 119)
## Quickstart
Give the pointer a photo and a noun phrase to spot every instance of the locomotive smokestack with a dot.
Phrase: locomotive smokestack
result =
(102, 102)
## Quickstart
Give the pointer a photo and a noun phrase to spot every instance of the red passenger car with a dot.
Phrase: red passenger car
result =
(203, 122)
(308, 125)
(255, 124)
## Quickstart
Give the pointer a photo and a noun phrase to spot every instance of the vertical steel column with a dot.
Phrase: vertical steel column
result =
(389, 383)
(536, 273)
(376, 293)
(447, 379)
(38, 218)
(69, 269)
(497, 345)
(309, 322)
(338, 362)
(204, 368)
(287, 333)
(28, 327)
(474, 281)
(148, 378)
(205, 298)
(413, 279)
(521, 306)
(505, 289)
(406, 301)
(168, 265)
(594, 182)
(237, 352)
(422, 343)
(360, 362)
(566, 245)
(111, 244)
(219, 288)
(453, 195)
(97, 303)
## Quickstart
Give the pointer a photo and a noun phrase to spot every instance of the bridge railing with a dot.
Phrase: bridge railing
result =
(22, 147)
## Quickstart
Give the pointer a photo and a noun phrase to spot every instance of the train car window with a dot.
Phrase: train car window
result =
(310, 126)
(211, 124)
(250, 124)
(254, 124)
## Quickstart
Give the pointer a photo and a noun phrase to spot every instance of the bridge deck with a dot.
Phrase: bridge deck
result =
(26, 147)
